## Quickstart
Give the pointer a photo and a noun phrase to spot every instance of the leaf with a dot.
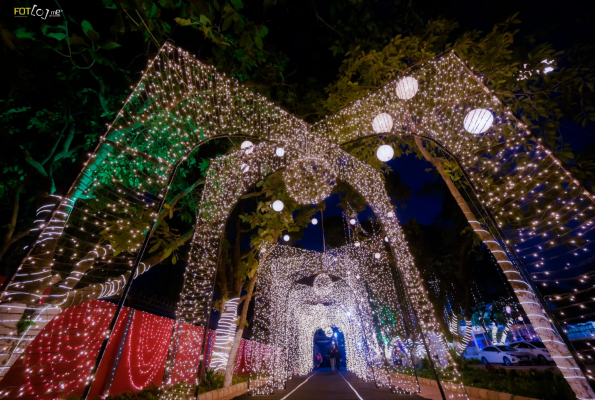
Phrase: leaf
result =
(109, 45)
(89, 31)
(22, 33)
(183, 22)
(237, 4)
(57, 36)
(76, 40)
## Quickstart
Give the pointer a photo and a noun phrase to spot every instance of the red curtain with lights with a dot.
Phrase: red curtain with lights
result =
(58, 361)
(188, 355)
(242, 366)
(142, 361)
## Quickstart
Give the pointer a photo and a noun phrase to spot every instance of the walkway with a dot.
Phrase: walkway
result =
(326, 385)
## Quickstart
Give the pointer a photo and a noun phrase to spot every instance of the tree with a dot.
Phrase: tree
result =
(267, 226)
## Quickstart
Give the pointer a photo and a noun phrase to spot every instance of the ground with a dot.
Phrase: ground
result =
(327, 385)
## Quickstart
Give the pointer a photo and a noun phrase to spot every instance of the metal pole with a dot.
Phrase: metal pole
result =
(126, 289)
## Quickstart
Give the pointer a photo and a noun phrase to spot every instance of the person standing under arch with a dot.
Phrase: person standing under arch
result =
(335, 357)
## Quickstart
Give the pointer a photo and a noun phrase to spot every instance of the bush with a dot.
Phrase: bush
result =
(546, 385)
(214, 381)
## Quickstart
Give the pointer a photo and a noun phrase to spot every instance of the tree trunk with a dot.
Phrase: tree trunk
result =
(523, 291)
(231, 361)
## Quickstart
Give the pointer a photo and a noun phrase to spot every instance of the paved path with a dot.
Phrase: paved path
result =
(326, 385)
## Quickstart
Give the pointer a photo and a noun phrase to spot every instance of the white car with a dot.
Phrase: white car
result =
(537, 350)
(506, 355)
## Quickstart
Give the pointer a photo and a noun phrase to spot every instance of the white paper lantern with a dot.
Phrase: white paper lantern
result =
(286, 238)
(382, 123)
(356, 244)
(385, 153)
(377, 256)
(352, 221)
(278, 205)
(280, 151)
(478, 121)
(248, 146)
(407, 88)
(314, 221)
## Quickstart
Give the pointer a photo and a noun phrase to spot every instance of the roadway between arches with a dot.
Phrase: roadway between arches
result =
(326, 385)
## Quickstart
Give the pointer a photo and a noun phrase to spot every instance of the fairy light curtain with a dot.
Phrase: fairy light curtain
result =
(59, 359)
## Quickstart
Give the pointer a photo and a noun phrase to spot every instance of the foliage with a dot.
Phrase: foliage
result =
(23, 324)
(488, 315)
(546, 385)
(213, 381)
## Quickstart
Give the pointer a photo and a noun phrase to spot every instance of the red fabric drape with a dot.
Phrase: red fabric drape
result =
(58, 361)
(188, 354)
(142, 360)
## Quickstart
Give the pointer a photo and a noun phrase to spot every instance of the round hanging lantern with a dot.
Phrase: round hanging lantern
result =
(280, 151)
(382, 123)
(352, 221)
(278, 205)
(286, 238)
(390, 214)
(314, 221)
(247, 146)
(309, 179)
(328, 331)
(385, 153)
(356, 244)
(322, 285)
(377, 256)
(406, 88)
(478, 121)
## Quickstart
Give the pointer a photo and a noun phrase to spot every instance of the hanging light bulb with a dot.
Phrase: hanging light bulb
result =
(377, 256)
(382, 123)
(390, 214)
(406, 88)
(247, 146)
(478, 121)
(280, 151)
(286, 238)
(314, 221)
(352, 221)
(278, 205)
(385, 153)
